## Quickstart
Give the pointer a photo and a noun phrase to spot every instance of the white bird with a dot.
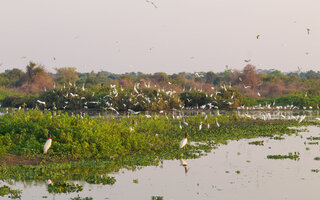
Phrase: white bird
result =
(49, 182)
(259, 94)
(302, 118)
(180, 126)
(218, 125)
(41, 102)
(200, 126)
(184, 141)
(208, 126)
(111, 108)
(47, 145)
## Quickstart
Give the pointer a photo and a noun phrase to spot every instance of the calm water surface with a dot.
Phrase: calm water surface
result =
(214, 176)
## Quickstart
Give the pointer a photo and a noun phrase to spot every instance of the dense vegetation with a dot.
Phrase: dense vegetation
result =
(248, 87)
(101, 145)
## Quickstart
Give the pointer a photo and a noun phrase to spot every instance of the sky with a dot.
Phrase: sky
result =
(160, 35)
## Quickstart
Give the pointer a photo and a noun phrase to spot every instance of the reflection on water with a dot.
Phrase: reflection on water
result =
(234, 171)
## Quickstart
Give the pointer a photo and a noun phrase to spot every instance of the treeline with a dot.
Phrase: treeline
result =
(251, 86)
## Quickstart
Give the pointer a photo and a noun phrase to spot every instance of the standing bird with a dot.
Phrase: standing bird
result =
(47, 145)
(184, 141)
(308, 31)
(218, 125)
(257, 36)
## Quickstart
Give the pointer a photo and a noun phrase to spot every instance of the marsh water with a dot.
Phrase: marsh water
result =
(237, 170)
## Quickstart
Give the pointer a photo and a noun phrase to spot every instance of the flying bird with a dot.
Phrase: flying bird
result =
(151, 2)
(249, 60)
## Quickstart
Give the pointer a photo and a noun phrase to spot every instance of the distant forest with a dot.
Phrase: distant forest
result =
(250, 82)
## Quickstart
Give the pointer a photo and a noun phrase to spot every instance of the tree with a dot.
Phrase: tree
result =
(66, 75)
(210, 76)
(250, 76)
(35, 79)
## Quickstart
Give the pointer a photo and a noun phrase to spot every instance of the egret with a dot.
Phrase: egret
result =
(184, 141)
(47, 145)
(302, 118)
(218, 125)
(41, 102)
(200, 126)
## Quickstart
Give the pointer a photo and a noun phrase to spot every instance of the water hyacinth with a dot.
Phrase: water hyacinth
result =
(82, 145)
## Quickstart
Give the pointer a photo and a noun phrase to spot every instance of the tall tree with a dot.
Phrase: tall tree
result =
(66, 75)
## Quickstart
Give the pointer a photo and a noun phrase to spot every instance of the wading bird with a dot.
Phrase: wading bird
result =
(184, 141)
(47, 145)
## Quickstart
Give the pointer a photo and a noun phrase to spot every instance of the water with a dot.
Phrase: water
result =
(214, 176)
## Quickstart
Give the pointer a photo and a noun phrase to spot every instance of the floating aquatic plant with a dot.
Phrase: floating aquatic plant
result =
(101, 179)
(64, 188)
(11, 193)
(292, 156)
(256, 143)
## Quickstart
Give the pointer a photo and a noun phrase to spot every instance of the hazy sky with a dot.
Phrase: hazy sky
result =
(179, 35)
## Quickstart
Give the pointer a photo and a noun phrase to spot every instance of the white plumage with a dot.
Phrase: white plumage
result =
(184, 141)
(47, 145)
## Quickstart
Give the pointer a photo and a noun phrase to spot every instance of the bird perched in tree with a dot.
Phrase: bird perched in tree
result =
(47, 145)
(184, 141)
